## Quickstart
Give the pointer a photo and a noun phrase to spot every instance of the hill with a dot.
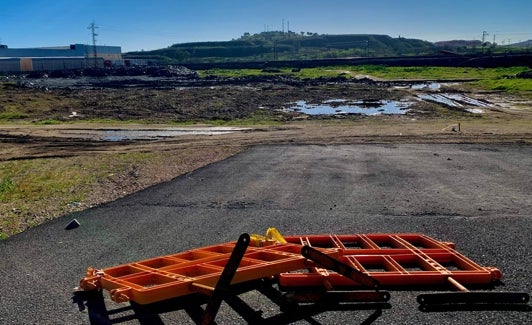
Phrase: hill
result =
(269, 46)
(458, 43)
(523, 44)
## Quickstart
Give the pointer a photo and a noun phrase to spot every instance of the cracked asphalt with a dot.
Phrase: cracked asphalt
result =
(477, 196)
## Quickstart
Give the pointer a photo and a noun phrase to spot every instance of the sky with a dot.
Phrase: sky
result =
(137, 25)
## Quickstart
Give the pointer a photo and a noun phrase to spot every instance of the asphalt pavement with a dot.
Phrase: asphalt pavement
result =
(477, 196)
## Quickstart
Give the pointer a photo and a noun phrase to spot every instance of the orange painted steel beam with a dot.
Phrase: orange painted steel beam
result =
(195, 270)
(392, 260)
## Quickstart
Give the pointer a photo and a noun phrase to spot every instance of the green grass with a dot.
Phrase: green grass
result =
(35, 190)
(6, 186)
(380, 71)
(446, 73)
(8, 116)
(495, 79)
(49, 122)
(231, 73)
(38, 179)
(507, 85)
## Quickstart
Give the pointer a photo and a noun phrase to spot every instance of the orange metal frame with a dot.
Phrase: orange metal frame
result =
(392, 260)
(196, 270)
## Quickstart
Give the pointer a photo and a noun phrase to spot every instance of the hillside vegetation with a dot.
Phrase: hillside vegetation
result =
(268, 46)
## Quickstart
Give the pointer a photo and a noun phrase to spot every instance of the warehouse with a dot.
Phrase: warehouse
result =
(76, 56)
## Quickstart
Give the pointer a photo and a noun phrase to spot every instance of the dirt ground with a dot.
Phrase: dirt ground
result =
(159, 105)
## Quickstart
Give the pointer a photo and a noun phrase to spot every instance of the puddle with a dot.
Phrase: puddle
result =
(440, 99)
(349, 107)
(475, 110)
(145, 134)
(430, 86)
(467, 100)
(458, 101)
(432, 94)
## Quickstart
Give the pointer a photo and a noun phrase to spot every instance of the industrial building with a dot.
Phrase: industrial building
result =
(76, 56)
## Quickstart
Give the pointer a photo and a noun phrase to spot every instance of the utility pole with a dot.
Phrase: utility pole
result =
(92, 28)
(484, 35)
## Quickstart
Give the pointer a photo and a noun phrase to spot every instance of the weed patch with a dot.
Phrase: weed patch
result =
(12, 116)
(32, 191)
(506, 84)
(6, 186)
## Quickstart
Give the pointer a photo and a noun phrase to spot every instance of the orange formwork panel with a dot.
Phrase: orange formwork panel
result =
(392, 260)
(180, 274)
(343, 267)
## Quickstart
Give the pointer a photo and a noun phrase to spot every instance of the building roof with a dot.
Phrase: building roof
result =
(75, 50)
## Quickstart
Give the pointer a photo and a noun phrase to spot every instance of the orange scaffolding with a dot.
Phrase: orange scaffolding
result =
(192, 271)
(392, 260)
(321, 269)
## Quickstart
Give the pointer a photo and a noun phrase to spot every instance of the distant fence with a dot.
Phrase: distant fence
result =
(17, 65)
(441, 60)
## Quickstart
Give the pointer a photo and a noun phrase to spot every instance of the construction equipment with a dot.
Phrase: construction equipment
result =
(293, 271)
(407, 261)
(393, 260)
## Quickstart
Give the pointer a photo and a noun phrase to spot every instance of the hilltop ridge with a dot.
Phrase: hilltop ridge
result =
(289, 46)
(268, 46)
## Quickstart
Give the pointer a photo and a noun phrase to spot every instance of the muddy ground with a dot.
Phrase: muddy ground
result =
(157, 102)
(58, 116)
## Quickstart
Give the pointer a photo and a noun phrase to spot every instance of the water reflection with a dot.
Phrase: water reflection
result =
(430, 86)
(145, 134)
(348, 107)
(456, 101)
(123, 135)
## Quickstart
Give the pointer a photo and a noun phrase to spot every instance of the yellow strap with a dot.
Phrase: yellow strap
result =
(272, 236)
(273, 233)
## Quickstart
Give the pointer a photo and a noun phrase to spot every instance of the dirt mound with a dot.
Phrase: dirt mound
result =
(170, 71)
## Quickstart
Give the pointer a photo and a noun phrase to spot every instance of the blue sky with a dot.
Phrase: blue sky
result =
(152, 24)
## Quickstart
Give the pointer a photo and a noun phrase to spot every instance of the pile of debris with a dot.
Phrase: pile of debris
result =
(170, 71)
